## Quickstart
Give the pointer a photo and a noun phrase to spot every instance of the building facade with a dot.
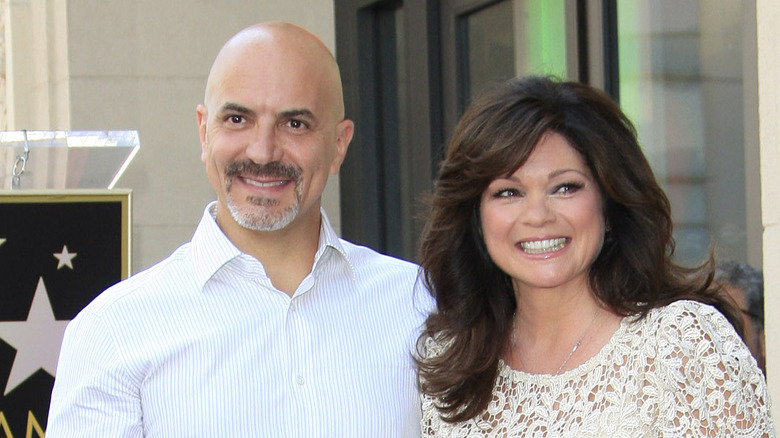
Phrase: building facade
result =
(698, 77)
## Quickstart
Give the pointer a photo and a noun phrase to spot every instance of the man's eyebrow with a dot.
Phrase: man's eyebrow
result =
(231, 107)
(293, 113)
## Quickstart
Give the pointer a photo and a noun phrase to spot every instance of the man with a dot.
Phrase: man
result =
(266, 323)
(745, 285)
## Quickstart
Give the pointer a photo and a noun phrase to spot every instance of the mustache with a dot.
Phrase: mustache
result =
(273, 169)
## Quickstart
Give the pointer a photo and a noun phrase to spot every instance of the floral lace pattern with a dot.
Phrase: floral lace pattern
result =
(681, 371)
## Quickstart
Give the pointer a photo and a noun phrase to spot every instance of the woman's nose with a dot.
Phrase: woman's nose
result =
(536, 210)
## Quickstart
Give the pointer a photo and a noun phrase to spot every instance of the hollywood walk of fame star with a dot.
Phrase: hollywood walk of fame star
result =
(36, 340)
(65, 258)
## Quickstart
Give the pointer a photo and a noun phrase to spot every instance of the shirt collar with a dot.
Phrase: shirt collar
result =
(211, 248)
(330, 240)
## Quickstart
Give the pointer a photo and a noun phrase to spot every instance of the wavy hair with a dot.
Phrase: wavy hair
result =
(633, 273)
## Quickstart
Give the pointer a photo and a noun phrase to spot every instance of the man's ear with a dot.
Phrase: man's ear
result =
(344, 132)
(202, 115)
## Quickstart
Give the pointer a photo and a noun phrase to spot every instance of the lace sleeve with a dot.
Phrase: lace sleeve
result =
(714, 385)
(430, 416)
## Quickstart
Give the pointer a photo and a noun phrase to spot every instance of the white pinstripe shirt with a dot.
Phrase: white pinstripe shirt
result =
(202, 345)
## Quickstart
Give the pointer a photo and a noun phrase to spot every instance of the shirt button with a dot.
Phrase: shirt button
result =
(300, 380)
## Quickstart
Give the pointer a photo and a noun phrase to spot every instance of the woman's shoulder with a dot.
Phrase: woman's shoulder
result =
(686, 320)
(685, 316)
(699, 355)
(689, 330)
(683, 307)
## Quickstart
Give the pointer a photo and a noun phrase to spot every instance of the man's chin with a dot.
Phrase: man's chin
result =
(257, 218)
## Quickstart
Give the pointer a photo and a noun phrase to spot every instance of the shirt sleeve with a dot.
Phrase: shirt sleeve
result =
(715, 386)
(93, 395)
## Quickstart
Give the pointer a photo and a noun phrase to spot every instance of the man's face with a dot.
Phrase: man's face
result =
(270, 137)
(753, 338)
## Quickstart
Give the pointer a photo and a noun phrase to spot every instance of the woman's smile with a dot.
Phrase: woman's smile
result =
(543, 246)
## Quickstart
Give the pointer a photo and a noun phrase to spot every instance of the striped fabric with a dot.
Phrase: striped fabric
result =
(202, 345)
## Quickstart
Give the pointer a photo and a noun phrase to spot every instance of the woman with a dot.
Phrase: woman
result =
(559, 309)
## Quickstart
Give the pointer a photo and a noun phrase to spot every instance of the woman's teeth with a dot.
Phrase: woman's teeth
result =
(542, 246)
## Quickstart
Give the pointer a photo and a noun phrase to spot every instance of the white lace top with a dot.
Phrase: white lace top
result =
(681, 371)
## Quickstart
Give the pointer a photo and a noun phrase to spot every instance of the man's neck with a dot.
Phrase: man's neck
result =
(287, 255)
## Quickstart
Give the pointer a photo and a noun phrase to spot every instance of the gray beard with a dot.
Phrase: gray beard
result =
(257, 217)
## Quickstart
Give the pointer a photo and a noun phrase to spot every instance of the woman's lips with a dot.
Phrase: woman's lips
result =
(543, 246)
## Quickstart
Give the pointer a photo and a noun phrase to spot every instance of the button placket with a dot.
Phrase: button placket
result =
(299, 339)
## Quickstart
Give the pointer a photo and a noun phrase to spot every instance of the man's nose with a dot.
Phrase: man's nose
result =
(263, 146)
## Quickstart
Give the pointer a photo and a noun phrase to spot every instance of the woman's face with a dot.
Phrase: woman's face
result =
(544, 224)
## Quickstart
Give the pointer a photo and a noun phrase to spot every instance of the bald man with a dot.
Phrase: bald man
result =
(265, 324)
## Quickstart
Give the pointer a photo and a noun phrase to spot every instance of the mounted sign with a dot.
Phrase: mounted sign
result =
(58, 250)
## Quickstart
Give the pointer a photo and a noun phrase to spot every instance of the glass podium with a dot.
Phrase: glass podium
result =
(42, 160)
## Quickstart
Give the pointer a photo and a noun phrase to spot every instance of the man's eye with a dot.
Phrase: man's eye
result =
(236, 119)
(296, 124)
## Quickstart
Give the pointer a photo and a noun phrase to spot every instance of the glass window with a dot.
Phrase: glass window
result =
(680, 64)
(513, 38)
(491, 54)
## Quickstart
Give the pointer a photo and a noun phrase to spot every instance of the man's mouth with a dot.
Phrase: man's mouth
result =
(273, 174)
(263, 184)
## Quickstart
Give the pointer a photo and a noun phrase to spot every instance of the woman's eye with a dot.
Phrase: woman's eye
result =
(568, 188)
(506, 193)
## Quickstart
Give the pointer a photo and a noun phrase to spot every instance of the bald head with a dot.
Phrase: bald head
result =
(273, 109)
(288, 50)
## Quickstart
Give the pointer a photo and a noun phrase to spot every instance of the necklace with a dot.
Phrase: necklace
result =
(576, 344)
(579, 341)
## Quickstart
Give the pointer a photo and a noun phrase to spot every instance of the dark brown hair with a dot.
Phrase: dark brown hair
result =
(633, 273)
